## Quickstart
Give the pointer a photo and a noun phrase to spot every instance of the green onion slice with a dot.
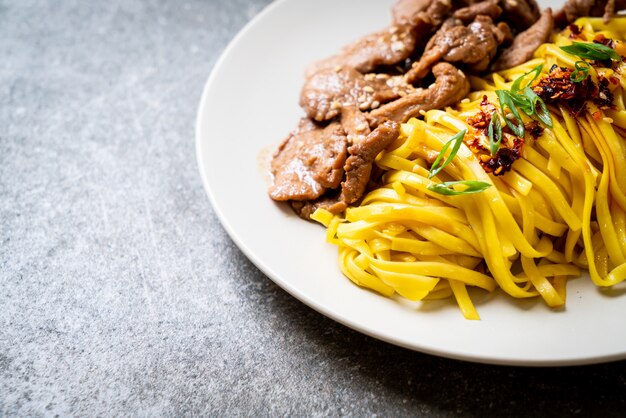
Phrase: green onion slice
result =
(523, 103)
(543, 114)
(494, 132)
(451, 188)
(592, 51)
(508, 100)
(517, 84)
(456, 142)
(580, 72)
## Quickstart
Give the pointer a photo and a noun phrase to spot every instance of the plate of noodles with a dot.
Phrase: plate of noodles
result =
(490, 228)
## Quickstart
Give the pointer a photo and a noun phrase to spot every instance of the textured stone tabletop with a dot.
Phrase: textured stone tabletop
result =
(121, 294)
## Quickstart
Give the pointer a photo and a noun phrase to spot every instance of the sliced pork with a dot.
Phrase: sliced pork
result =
(384, 48)
(355, 124)
(520, 14)
(417, 12)
(450, 87)
(305, 209)
(358, 168)
(526, 43)
(325, 92)
(573, 9)
(309, 162)
(485, 8)
(362, 154)
(472, 46)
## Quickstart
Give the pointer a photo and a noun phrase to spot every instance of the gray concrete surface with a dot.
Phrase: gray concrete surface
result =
(121, 294)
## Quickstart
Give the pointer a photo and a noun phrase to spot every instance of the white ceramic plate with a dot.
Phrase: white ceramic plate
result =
(250, 103)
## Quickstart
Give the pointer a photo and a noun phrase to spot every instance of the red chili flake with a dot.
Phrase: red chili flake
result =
(534, 129)
(603, 40)
(480, 120)
(475, 138)
(576, 31)
(604, 100)
(558, 87)
(502, 161)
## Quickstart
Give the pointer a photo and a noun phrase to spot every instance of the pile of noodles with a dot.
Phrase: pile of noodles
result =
(559, 210)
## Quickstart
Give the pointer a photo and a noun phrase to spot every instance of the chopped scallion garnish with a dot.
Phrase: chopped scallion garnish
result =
(455, 142)
(542, 113)
(455, 188)
(516, 87)
(522, 97)
(580, 72)
(507, 99)
(494, 132)
(592, 51)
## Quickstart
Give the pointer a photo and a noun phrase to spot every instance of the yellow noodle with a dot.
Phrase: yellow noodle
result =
(462, 298)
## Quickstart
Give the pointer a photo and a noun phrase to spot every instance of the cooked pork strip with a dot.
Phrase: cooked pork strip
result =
(429, 12)
(325, 92)
(450, 87)
(362, 154)
(406, 10)
(386, 47)
(473, 45)
(520, 14)
(355, 124)
(358, 168)
(308, 162)
(305, 209)
(486, 8)
(573, 9)
(526, 43)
